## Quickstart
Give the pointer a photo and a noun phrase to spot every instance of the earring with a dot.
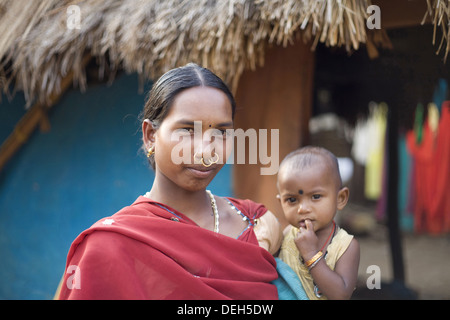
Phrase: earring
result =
(150, 151)
(211, 162)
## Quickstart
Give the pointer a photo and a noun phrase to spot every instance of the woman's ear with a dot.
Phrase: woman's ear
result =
(148, 133)
(342, 198)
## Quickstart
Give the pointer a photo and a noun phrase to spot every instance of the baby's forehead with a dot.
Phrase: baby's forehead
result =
(290, 170)
(307, 161)
(317, 165)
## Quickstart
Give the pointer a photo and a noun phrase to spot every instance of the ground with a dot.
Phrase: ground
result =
(426, 260)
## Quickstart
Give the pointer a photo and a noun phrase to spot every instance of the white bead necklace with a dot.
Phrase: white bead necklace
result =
(215, 211)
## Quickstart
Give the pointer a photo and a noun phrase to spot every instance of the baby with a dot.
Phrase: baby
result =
(324, 256)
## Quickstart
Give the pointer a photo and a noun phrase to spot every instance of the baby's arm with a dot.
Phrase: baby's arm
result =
(340, 283)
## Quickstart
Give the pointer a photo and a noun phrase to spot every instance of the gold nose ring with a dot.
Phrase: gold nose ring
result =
(211, 162)
(197, 159)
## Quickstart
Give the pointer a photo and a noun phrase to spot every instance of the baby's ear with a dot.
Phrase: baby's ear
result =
(278, 197)
(342, 198)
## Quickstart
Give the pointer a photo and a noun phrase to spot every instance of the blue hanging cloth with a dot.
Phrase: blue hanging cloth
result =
(440, 93)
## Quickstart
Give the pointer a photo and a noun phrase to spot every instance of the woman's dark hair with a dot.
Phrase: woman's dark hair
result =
(170, 84)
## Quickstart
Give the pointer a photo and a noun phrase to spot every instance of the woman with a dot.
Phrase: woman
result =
(178, 241)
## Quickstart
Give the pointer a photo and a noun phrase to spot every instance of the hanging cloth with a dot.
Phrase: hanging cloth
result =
(431, 173)
(404, 182)
(440, 205)
(375, 158)
(423, 173)
(418, 122)
(440, 93)
(433, 118)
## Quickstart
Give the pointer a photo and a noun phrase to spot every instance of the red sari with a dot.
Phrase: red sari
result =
(146, 252)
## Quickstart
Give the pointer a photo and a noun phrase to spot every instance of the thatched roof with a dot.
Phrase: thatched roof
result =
(38, 49)
(439, 12)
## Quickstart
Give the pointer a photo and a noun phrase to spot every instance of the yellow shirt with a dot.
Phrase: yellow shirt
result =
(291, 256)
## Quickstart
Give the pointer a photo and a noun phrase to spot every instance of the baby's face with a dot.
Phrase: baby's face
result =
(308, 193)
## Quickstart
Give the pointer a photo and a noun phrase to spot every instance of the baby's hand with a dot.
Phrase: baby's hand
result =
(307, 241)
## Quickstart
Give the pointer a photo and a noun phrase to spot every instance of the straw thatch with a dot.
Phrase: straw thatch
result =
(37, 49)
(439, 12)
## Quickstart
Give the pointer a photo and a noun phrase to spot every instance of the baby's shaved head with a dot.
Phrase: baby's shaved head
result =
(308, 156)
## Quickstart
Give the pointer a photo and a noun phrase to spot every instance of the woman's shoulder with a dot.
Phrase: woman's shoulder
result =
(141, 206)
(146, 207)
(249, 208)
(127, 221)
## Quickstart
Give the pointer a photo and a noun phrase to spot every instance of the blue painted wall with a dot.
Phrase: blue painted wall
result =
(87, 167)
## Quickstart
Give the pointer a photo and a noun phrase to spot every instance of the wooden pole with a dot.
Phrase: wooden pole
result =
(397, 289)
(395, 240)
(36, 115)
(275, 96)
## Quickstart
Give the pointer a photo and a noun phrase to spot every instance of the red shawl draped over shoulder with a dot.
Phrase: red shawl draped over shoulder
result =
(145, 252)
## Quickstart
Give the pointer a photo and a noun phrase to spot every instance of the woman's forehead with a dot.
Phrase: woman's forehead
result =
(201, 104)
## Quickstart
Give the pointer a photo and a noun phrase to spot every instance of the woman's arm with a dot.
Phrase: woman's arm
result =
(268, 232)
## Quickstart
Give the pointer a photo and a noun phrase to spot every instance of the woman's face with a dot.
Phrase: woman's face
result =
(208, 111)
